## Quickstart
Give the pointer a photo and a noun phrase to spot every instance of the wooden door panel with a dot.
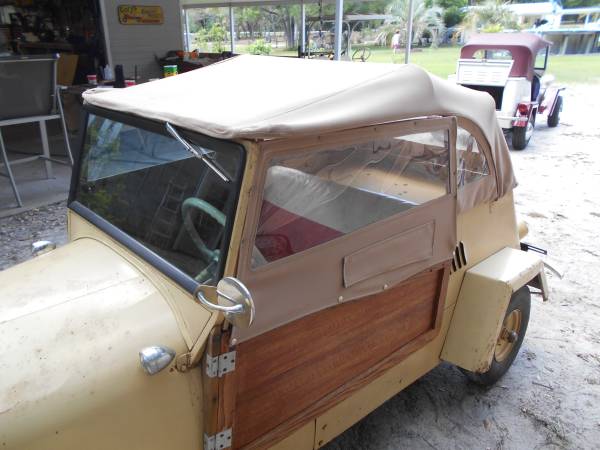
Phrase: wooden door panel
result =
(282, 374)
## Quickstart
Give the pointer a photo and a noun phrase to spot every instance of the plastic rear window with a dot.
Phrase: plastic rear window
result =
(496, 54)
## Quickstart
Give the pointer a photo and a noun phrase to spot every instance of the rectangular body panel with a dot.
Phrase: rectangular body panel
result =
(481, 72)
(382, 257)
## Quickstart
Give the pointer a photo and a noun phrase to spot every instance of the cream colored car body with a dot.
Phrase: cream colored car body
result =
(73, 321)
(515, 89)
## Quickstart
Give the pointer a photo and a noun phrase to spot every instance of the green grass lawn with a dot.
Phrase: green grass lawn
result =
(442, 62)
(575, 68)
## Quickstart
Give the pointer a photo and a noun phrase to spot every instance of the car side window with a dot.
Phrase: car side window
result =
(318, 196)
(471, 163)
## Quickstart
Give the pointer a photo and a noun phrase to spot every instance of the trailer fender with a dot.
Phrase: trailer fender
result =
(481, 305)
(550, 99)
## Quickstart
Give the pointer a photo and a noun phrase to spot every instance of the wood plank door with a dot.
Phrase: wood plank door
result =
(290, 375)
(347, 258)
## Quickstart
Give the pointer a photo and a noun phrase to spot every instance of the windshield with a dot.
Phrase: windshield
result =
(155, 190)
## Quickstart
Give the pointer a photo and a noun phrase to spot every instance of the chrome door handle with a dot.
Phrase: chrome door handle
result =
(241, 313)
(235, 309)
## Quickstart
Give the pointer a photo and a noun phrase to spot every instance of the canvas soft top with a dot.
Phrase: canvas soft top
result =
(524, 47)
(260, 97)
(532, 42)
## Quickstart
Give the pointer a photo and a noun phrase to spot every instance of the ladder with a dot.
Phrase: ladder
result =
(166, 218)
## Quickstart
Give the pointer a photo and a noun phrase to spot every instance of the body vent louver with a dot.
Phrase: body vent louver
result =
(459, 257)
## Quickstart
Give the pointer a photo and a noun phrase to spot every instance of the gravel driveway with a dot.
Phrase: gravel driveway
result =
(17, 233)
(551, 396)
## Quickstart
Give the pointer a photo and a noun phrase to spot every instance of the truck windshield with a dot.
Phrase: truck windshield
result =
(152, 188)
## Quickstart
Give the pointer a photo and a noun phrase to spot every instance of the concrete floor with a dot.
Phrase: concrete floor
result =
(33, 185)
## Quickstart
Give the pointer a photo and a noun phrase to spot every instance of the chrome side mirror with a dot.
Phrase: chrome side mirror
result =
(235, 302)
(40, 247)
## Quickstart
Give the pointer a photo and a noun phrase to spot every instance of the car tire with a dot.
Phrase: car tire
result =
(554, 117)
(519, 138)
(522, 135)
(517, 314)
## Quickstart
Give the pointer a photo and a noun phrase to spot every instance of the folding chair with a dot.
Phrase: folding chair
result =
(29, 93)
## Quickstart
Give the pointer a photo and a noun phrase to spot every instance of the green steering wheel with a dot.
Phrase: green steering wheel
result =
(210, 256)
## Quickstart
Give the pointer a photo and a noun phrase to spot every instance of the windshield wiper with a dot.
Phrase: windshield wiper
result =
(202, 154)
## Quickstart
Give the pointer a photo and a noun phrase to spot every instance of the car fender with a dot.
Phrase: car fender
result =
(481, 305)
(72, 323)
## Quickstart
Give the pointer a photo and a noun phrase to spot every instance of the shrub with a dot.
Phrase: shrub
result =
(259, 47)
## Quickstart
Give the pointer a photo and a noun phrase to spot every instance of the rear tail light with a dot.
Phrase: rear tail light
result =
(523, 108)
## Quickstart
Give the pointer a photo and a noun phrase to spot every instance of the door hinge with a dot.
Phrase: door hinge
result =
(183, 362)
(218, 441)
(217, 366)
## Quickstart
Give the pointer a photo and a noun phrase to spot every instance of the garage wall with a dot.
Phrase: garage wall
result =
(137, 44)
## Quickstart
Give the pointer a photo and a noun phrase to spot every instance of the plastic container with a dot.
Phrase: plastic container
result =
(170, 71)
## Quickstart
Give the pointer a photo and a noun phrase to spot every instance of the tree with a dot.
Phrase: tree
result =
(216, 35)
(283, 17)
(579, 3)
(249, 19)
(454, 11)
(491, 17)
(424, 19)
(446, 4)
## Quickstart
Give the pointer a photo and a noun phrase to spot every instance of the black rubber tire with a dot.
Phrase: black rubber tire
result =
(553, 118)
(519, 300)
(519, 138)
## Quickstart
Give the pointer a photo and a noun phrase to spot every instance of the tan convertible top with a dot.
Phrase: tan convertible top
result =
(260, 97)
